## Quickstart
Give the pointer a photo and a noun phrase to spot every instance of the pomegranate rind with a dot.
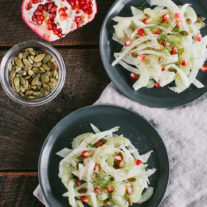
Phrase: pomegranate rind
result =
(48, 35)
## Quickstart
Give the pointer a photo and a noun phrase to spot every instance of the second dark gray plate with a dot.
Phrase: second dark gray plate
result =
(139, 131)
(160, 98)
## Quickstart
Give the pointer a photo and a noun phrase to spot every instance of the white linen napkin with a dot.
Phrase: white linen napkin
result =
(184, 132)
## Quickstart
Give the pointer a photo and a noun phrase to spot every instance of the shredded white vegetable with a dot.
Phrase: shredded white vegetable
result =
(162, 45)
(100, 175)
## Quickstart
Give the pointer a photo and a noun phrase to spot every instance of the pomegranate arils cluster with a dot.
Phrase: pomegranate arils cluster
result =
(53, 19)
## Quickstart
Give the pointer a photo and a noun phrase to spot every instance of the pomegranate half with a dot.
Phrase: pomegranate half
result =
(53, 19)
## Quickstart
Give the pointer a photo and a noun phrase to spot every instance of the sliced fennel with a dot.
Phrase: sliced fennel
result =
(161, 52)
(100, 178)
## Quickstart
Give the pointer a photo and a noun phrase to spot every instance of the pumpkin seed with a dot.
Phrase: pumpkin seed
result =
(18, 68)
(46, 87)
(31, 97)
(39, 58)
(46, 58)
(28, 66)
(22, 89)
(10, 66)
(30, 72)
(54, 65)
(22, 81)
(16, 84)
(12, 75)
(52, 60)
(26, 84)
(27, 77)
(31, 52)
(34, 87)
(36, 70)
(35, 81)
(30, 60)
(29, 93)
(43, 92)
(20, 56)
(42, 69)
(52, 80)
(22, 94)
(18, 62)
(45, 78)
(45, 66)
(52, 85)
(36, 65)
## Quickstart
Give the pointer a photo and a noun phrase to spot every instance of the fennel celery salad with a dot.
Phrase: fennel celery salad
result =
(104, 169)
(162, 45)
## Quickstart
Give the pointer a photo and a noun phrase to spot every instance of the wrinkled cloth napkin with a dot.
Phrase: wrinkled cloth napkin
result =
(184, 132)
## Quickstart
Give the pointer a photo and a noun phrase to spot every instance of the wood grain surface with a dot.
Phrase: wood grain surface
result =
(13, 29)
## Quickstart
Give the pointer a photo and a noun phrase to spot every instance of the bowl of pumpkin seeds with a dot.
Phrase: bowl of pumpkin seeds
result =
(32, 73)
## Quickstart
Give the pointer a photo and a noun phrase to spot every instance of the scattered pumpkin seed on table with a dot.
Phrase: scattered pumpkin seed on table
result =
(33, 74)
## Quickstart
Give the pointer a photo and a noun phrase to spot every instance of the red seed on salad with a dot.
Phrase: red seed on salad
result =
(185, 63)
(134, 76)
(85, 154)
(163, 68)
(141, 32)
(147, 20)
(128, 43)
(156, 31)
(97, 190)
(177, 16)
(141, 57)
(120, 164)
(204, 68)
(78, 181)
(199, 37)
(110, 189)
(179, 23)
(174, 51)
(84, 199)
(157, 85)
(98, 144)
(97, 168)
(129, 190)
(138, 162)
(118, 157)
(165, 17)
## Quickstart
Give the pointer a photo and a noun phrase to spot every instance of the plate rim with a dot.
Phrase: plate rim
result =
(167, 167)
(117, 83)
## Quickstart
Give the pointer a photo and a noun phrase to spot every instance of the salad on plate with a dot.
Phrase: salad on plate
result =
(162, 46)
(104, 169)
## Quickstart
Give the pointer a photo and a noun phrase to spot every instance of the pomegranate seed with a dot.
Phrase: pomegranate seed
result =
(52, 16)
(39, 22)
(29, 6)
(185, 63)
(177, 16)
(163, 68)
(78, 21)
(120, 164)
(134, 76)
(110, 189)
(40, 18)
(63, 16)
(157, 85)
(165, 18)
(53, 9)
(78, 181)
(141, 32)
(97, 168)
(128, 43)
(45, 7)
(97, 190)
(38, 1)
(118, 158)
(40, 7)
(49, 21)
(61, 11)
(38, 12)
(34, 18)
(50, 5)
(163, 43)
(157, 31)
(98, 144)
(199, 37)
(147, 20)
(50, 26)
(129, 190)
(84, 199)
(141, 57)
(85, 153)
(204, 68)
(179, 23)
(174, 51)
(138, 162)
(33, 1)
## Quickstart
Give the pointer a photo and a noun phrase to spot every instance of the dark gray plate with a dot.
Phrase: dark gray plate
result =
(139, 131)
(160, 98)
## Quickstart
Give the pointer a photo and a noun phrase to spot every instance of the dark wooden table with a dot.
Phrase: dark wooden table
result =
(24, 129)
